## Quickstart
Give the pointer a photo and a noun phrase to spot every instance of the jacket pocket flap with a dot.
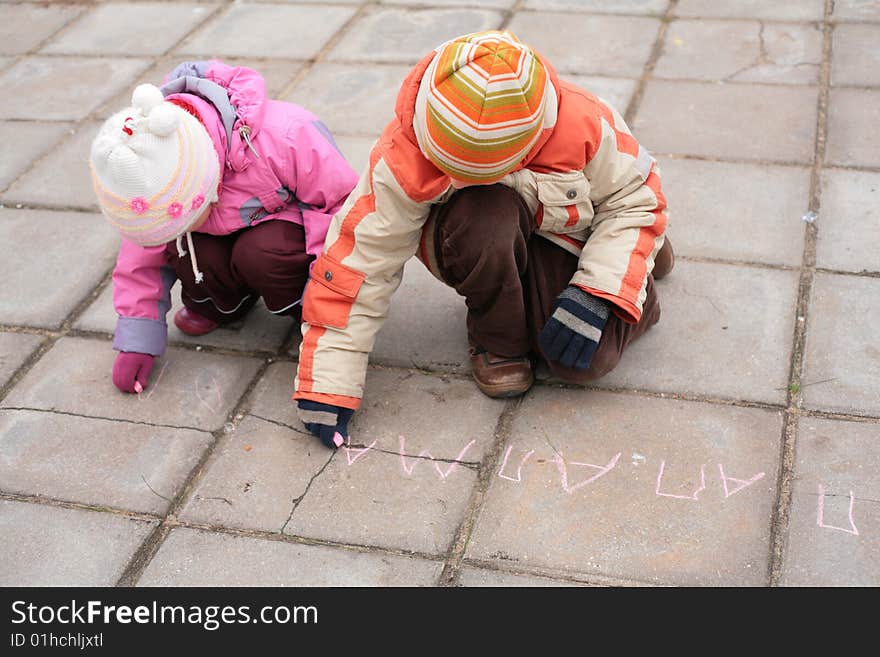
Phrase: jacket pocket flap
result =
(563, 189)
(336, 276)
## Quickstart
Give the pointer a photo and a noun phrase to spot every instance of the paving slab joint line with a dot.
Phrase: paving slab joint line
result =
(452, 569)
(574, 577)
(782, 509)
(44, 500)
(508, 14)
(656, 50)
(56, 411)
(151, 544)
(298, 500)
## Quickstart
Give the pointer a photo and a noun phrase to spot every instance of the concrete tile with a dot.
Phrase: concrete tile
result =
(648, 517)
(855, 57)
(277, 74)
(390, 34)
(51, 546)
(241, 31)
(143, 28)
(15, 349)
(25, 26)
(494, 4)
(618, 46)
(399, 404)
(44, 270)
(849, 199)
(725, 331)
(356, 150)
(61, 178)
(770, 202)
(741, 51)
(834, 495)
(196, 558)
(426, 325)
(735, 120)
(359, 102)
(852, 136)
(255, 475)
(782, 10)
(471, 577)
(26, 141)
(39, 87)
(653, 7)
(95, 461)
(385, 500)
(186, 388)
(846, 352)
(856, 10)
(260, 330)
(617, 92)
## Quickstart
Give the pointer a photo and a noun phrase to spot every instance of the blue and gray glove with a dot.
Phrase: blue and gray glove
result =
(329, 423)
(571, 334)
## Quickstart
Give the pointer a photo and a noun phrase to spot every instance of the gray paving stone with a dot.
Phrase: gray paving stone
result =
(62, 177)
(846, 352)
(359, 102)
(95, 461)
(725, 331)
(396, 404)
(241, 31)
(855, 57)
(148, 28)
(834, 495)
(849, 199)
(494, 4)
(471, 577)
(259, 330)
(356, 150)
(15, 349)
(41, 22)
(26, 142)
(51, 546)
(731, 120)
(655, 7)
(196, 558)
(44, 270)
(553, 511)
(255, 475)
(856, 10)
(589, 44)
(186, 388)
(852, 137)
(277, 74)
(784, 10)
(385, 500)
(426, 325)
(741, 51)
(616, 91)
(39, 87)
(769, 201)
(395, 35)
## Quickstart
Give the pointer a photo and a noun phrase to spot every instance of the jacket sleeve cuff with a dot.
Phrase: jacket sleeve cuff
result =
(333, 400)
(141, 335)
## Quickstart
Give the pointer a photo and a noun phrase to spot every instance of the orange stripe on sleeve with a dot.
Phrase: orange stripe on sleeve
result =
(334, 400)
(636, 269)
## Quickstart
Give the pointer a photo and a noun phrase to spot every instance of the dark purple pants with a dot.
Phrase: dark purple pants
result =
(487, 250)
(268, 260)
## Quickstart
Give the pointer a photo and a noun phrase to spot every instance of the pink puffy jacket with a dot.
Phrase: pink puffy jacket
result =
(299, 176)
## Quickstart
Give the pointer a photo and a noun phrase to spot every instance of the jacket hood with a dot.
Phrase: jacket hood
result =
(405, 105)
(236, 92)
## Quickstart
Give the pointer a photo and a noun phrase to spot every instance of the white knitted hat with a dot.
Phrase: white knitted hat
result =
(154, 169)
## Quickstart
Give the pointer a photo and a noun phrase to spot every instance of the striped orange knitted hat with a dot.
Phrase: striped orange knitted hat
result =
(481, 106)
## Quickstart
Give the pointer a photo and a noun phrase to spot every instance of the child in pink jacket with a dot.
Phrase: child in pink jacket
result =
(210, 182)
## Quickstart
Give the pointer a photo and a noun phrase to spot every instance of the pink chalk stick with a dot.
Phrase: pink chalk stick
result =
(338, 439)
(138, 388)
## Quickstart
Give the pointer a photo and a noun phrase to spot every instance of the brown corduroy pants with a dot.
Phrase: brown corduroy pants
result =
(487, 249)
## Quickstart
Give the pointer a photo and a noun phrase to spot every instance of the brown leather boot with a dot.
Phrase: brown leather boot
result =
(501, 377)
(665, 260)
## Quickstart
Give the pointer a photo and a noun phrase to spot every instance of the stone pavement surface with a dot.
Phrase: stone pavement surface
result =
(738, 443)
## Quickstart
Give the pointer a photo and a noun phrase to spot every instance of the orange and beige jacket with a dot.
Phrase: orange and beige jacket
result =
(594, 192)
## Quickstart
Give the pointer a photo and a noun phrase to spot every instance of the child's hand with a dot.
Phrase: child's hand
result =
(329, 423)
(571, 334)
(131, 371)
